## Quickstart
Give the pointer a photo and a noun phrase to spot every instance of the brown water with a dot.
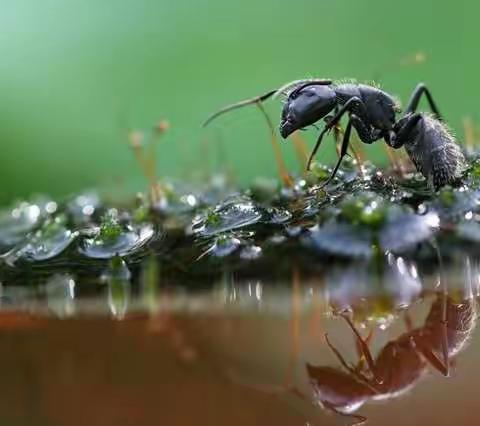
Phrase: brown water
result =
(238, 354)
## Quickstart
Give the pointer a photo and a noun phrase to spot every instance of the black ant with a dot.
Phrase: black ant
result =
(372, 112)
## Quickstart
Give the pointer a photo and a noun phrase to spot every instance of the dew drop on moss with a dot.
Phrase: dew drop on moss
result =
(51, 240)
(237, 212)
(113, 238)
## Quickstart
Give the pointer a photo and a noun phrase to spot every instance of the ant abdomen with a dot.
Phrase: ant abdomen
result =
(434, 151)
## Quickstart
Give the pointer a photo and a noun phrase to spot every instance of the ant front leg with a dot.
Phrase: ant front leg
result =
(403, 130)
(351, 105)
(412, 105)
(365, 350)
(365, 132)
(343, 152)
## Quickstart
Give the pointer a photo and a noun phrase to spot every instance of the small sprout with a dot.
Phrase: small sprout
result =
(162, 126)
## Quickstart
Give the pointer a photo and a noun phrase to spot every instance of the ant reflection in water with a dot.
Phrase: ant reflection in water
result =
(401, 362)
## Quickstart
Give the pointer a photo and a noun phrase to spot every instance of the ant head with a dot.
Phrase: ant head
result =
(334, 388)
(305, 105)
(382, 109)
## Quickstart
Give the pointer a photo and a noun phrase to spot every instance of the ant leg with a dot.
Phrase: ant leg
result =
(442, 367)
(349, 106)
(364, 350)
(231, 107)
(361, 356)
(365, 132)
(407, 124)
(343, 151)
(339, 355)
(361, 377)
(420, 90)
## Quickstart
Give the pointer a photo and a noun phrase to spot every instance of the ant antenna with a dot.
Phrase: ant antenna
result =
(147, 163)
(264, 97)
(237, 105)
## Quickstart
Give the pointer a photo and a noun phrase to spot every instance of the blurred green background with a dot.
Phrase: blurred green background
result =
(76, 74)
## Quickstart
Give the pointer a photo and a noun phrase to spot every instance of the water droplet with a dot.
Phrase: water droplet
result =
(112, 238)
(83, 207)
(222, 246)
(17, 222)
(278, 215)
(235, 213)
(48, 242)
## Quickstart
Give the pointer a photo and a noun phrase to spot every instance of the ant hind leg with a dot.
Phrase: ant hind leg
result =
(420, 90)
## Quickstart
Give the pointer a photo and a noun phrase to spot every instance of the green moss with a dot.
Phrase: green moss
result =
(447, 196)
(368, 209)
(110, 228)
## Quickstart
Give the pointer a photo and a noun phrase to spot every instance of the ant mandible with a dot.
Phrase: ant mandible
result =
(372, 112)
